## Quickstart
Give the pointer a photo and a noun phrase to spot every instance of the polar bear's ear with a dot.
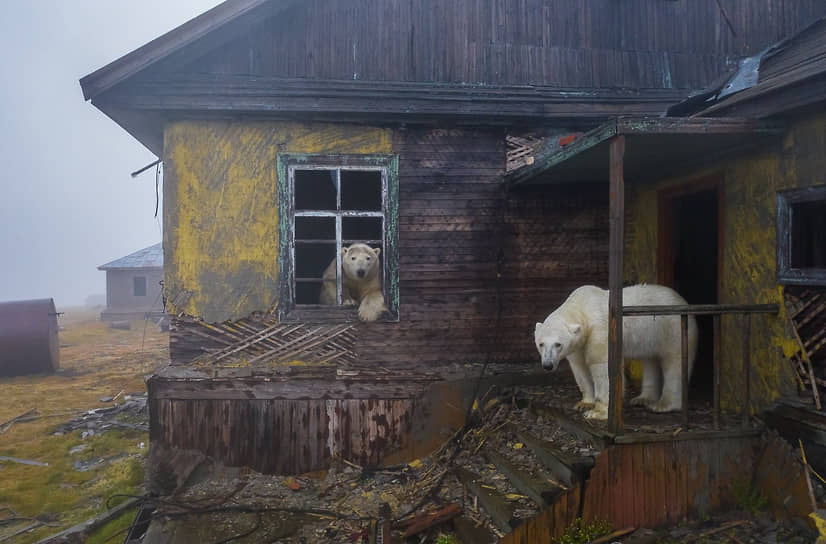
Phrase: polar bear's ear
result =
(574, 328)
(344, 250)
(538, 325)
(377, 250)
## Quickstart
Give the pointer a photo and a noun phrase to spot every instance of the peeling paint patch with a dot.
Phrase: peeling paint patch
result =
(221, 208)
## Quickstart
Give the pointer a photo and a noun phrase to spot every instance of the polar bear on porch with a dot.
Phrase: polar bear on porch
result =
(578, 331)
(360, 282)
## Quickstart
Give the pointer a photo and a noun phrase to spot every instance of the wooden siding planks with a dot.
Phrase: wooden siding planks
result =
(569, 43)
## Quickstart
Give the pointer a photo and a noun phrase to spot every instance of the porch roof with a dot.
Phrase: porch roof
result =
(654, 146)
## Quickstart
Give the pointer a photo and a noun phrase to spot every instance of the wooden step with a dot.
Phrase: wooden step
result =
(583, 431)
(470, 533)
(497, 507)
(567, 468)
(542, 493)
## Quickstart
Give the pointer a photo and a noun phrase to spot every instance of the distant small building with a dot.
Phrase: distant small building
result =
(133, 284)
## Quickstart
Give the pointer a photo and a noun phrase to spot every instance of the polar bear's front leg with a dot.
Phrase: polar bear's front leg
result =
(582, 375)
(372, 306)
(599, 373)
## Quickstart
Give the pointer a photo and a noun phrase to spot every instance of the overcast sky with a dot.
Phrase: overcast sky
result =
(68, 203)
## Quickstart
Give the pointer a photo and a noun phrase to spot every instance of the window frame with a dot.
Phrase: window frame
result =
(286, 164)
(786, 200)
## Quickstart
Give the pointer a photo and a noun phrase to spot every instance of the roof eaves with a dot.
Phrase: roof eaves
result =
(162, 47)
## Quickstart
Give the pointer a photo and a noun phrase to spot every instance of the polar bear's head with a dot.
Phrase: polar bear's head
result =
(360, 261)
(555, 339)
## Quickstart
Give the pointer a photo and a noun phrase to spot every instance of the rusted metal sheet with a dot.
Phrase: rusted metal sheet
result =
(28, 337)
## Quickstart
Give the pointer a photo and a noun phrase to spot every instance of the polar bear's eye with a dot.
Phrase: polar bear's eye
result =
(542, 344)
(368, 258)
(557, 345)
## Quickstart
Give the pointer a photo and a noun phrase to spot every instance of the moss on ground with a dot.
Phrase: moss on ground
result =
(95, 362)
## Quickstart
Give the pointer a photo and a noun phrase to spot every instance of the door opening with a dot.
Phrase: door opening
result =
(689, 262)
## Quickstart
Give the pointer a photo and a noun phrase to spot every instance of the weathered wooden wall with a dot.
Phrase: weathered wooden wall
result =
(748, 270)
(568, 43)
(458, 232)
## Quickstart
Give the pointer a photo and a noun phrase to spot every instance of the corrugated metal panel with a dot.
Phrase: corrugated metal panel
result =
(28, 337)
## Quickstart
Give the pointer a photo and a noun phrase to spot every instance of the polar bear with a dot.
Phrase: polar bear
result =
(578, 331)
(360, 282)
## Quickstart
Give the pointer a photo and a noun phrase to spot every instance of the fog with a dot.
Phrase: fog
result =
(68, 203)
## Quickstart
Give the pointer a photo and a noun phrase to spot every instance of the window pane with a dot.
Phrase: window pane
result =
(361, 229)
(315, 228)
(809, 235)
(361, 190)
(312, 259)
(315, 190)
(307, 292)
(139, 284)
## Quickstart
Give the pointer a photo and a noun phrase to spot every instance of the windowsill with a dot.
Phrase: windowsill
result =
(316, 313)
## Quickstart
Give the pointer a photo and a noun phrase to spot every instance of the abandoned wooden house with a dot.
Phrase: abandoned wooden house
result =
(470, 143)
(133, 285)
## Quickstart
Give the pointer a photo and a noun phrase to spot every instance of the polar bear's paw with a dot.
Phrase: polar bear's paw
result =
(642, 401)
(583, 405)
(664, 405)
(600, 411)
(372, 306)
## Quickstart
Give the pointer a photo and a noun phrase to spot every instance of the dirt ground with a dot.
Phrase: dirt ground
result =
(100, 367)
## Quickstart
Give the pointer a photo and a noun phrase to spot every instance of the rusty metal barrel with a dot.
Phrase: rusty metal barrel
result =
(28, 337)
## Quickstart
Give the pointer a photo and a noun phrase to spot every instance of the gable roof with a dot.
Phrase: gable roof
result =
(148, 257)
(228, 13)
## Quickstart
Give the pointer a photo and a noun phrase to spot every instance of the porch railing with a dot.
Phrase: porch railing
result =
(716, 310)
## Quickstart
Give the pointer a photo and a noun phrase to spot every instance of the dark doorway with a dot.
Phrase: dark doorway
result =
(689, 251)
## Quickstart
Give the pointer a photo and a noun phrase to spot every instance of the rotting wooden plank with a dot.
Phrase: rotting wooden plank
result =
(567, 468)
(470, 532)
(540, 492)
(495, 505)
(596, 438)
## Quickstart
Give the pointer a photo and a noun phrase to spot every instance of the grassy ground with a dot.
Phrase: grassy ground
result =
(95, 362)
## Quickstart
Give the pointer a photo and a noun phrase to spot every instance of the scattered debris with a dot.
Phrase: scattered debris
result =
(23, 461)
(120, 325)
(31, 415)
(100, 419)
(81, 531)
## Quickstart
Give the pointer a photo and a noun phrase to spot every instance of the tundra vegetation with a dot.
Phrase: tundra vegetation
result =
(84, 470)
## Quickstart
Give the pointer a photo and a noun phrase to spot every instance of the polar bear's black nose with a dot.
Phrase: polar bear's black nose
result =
(360, 273)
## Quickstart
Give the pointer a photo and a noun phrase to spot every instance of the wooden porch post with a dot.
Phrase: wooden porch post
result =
(616, 214)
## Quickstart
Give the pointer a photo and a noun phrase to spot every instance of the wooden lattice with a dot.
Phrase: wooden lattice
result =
(807, 309)
(520, 150)
(259, 340)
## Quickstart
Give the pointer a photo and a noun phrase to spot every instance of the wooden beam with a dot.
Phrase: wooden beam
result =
(542, 493)
(500, 512)
(616, 241)
(701, 309)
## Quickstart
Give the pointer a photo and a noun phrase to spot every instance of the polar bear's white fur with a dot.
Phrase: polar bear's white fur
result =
(578, 331)
(360, 282)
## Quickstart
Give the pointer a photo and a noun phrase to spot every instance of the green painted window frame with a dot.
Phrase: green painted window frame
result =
(288, 310)
(786, 200)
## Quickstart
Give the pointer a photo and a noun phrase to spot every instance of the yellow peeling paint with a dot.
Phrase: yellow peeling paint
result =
(749, 257)
(221, 209)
